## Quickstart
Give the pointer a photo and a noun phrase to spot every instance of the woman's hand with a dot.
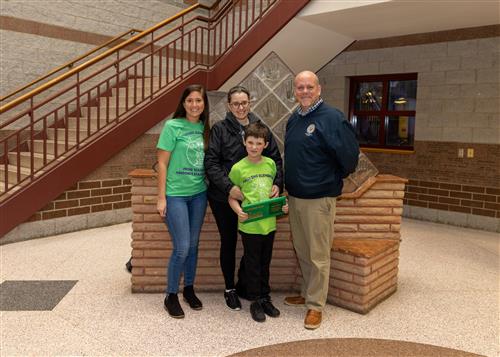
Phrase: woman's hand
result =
(161, 206)
(236, 193)
(275, 191)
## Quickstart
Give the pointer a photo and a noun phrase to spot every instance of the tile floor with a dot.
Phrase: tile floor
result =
(448, 296)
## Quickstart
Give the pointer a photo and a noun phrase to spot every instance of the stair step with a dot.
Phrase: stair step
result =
(111, 103)
(11, 189)
(103, 113)
(84, 122)
(25, 159)
(123, 91)
(12, 173)
(61, 133)
(38, 146)
(144, 82)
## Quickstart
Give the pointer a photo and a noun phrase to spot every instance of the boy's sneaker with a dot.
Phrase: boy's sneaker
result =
(232, 300)
(269, 308)
(257, 312)
(173, 307)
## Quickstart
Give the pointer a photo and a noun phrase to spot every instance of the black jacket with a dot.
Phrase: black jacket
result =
(225, 148)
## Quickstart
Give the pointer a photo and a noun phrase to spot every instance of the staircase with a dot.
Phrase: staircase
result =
(66, 128)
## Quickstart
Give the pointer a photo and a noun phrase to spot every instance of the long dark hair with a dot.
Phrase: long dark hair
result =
(180, 112)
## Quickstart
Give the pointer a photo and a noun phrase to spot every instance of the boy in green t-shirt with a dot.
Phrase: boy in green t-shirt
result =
(254, 174)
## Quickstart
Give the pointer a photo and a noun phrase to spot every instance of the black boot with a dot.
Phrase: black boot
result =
(191, 298)
(173, 307)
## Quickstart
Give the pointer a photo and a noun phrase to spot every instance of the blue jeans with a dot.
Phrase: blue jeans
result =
(184, 219)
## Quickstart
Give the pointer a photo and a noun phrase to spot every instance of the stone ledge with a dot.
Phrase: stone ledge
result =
(372, 181)
(366, 248)
(142, 173)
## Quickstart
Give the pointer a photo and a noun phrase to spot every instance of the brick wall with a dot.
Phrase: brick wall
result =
(88, 197)
(483, 201)
(440, 180)
(458, 107)
(105, 189)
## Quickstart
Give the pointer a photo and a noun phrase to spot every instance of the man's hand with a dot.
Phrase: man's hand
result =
(236, 193)
(285, 208)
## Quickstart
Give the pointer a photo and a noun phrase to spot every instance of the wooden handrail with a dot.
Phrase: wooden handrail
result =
(96, 59)
(69, 64)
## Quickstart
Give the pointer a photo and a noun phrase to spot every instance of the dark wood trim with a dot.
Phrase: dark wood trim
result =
(426, 38)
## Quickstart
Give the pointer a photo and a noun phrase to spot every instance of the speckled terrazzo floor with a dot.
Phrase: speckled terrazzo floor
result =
(448, 296)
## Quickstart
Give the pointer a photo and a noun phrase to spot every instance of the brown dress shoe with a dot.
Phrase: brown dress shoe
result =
(312, 320)
(295, 301)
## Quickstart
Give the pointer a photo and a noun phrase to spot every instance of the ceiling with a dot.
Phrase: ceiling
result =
(368, 19)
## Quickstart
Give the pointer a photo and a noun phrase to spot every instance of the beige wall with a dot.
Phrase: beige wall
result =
(38, 36)
(458, 96)
(103, 17)
(458, 107)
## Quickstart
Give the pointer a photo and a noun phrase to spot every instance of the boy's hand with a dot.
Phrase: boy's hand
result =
(242, 216)
(275, 191)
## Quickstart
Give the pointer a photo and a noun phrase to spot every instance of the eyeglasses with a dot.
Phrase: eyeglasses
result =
(236, 105)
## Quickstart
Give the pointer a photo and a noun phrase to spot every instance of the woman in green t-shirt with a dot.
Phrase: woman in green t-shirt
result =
(182, 198)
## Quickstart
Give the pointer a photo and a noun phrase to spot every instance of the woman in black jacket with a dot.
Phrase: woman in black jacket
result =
(225, 148)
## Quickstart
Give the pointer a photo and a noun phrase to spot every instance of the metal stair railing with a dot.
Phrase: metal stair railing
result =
(49, 124)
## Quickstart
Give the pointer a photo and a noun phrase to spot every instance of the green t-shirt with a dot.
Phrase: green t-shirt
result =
(255, 181)
(185, 172)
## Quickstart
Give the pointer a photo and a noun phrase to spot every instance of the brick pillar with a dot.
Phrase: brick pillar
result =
(365, 252)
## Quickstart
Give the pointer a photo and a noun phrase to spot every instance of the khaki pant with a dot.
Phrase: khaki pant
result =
(311, 221)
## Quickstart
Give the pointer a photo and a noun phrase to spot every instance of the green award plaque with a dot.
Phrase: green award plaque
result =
(264, 209)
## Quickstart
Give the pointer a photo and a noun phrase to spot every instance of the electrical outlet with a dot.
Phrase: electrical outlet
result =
(470, 153)
(461, 153)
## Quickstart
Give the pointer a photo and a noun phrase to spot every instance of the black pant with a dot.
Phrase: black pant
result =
(227, 224)
(257, 254)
